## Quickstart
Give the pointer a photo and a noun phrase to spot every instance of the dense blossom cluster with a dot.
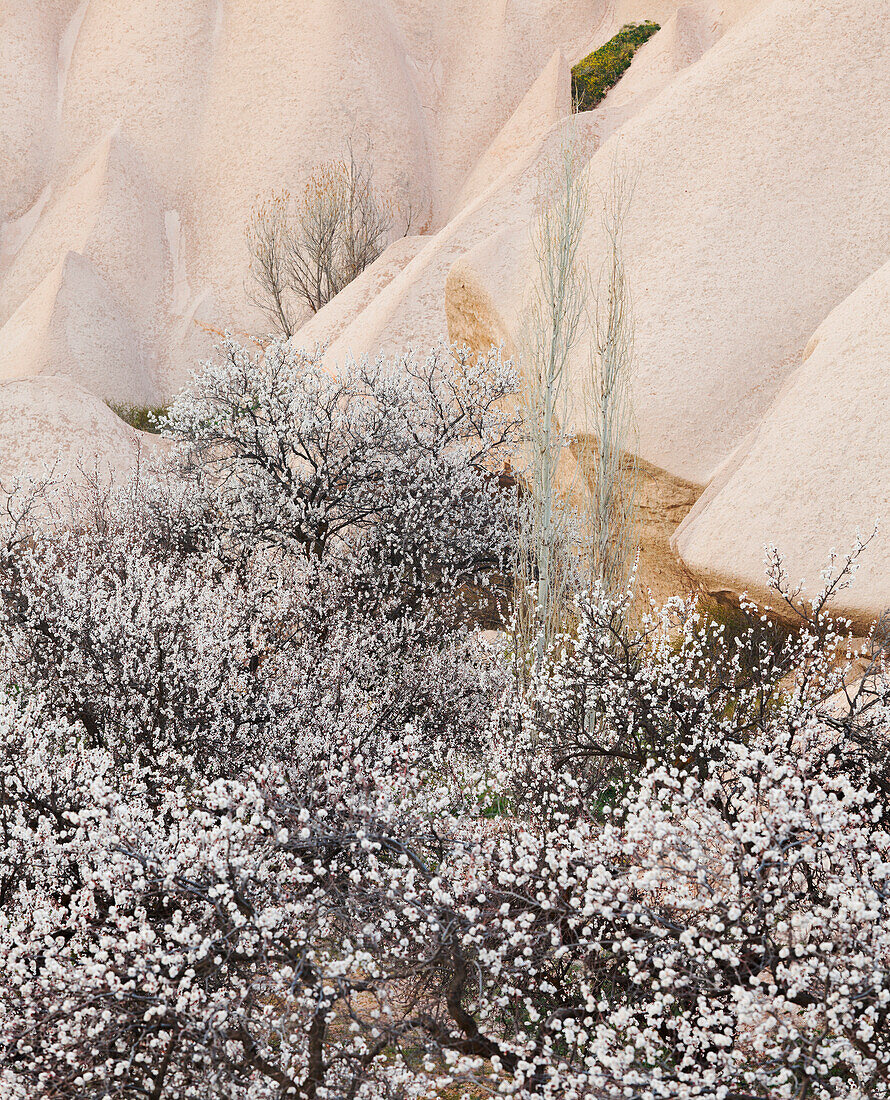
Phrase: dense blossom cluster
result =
(396, 461)
(269, 828)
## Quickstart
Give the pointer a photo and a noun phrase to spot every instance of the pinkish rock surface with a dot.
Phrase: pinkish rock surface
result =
(135, 139)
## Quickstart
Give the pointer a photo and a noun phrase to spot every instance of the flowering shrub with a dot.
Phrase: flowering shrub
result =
(257, 841)
(389, 468)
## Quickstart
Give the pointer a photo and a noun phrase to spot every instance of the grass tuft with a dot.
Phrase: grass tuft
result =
(145, 418)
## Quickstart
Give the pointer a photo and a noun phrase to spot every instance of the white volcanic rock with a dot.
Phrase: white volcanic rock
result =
(474, 318)
(427, 86)
(190, 341)
(547, 101)
(144, 67)
(28, 96)
(53, 429)
(814, 472)
(760, 201)
(71, 325)
(480, 61)
(107, 211)
(326, 325)
(482, 57)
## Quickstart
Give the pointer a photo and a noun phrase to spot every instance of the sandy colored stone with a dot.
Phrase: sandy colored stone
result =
(106, 210)
(334, 318)
(28, 97)
(54, 432)
(144, 67)
(814, 471)
(427, 87)
(71, 325)
(760, 201)
(130, 134)
(547, 101)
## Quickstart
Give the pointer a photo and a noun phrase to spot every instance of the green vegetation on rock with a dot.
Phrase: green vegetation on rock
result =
(145, 418)
(601, 70)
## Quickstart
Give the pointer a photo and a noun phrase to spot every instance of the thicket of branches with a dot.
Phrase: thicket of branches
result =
(306, 248)
(275, 820)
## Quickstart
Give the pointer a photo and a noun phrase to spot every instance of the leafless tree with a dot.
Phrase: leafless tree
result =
(548, 526)
(575, 533)
(306, 249)
(607, 450)
(268, 236)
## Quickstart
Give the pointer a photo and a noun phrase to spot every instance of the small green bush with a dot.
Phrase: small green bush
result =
(602, 69)
(145, 418)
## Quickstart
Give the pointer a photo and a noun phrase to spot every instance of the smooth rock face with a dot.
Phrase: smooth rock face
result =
(136, 138)
(334, 318)
(53, 432)
(108, 211)
(760, 201)
(72, 325)
(413, 309)
(144, 67)
(814, 471)
(547, 101)
(28, 98)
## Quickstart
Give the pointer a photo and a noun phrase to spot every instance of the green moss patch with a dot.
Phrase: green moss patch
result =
(602, 69)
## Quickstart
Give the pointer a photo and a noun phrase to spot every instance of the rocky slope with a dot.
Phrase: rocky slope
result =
(136, 138)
